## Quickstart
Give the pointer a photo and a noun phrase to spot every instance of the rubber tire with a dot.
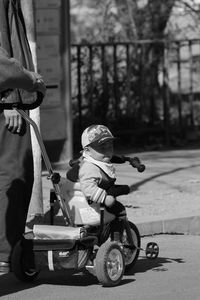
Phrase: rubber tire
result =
(18, 266)
(102, 259)
(137, 241)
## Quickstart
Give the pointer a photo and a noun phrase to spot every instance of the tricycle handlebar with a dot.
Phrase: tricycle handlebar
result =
(135, 163)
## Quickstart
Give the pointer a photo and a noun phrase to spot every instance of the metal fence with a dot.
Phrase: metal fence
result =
(145, 91)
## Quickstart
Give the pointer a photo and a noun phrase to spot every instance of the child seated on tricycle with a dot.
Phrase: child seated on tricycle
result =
(96, 173)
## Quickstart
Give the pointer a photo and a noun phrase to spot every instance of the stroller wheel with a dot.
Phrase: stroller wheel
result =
(20, 266)
(109, 265)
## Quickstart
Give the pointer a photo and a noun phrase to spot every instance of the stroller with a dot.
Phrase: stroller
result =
(86, 242)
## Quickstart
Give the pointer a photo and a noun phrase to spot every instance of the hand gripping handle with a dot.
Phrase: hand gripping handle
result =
(23, 106)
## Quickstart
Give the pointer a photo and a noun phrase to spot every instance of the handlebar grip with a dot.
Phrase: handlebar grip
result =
(135, 163)
(141, 168)
(74, 161)
(118, 159)
(23, 106)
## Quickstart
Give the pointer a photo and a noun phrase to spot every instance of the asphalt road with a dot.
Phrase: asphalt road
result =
(173, 275)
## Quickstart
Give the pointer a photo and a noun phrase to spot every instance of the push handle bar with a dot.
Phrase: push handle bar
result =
(23, 106)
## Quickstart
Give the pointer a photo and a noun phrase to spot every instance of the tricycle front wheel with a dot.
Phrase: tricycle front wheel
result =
(109, 264)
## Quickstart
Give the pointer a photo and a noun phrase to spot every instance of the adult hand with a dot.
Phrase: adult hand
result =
(13, 121)
(40, 86)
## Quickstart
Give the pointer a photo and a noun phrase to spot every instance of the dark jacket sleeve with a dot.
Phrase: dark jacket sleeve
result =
(13, 75)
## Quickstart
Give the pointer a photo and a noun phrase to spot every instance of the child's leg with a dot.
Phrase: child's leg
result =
(118, 210)
(117, 226)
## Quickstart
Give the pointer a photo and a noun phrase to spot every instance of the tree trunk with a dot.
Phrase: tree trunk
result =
(147, 20)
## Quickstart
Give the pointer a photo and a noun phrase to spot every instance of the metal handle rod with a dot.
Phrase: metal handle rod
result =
(48, 165)
(39, 139)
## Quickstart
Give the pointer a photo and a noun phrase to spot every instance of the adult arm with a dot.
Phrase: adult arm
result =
(14, 76)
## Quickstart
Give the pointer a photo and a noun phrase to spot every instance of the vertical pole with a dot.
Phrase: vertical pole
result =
(166, 96)
(90, 70)
(104, 97)
(115, 75)
(128, 85)
(79, 88)
(65, 46)
(36, 203)
(179, 86)
(191, 94)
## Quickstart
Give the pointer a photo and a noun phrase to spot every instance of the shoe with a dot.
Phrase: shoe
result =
(4, 267)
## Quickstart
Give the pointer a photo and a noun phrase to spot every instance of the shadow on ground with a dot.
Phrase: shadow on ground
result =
(158, 265)
(10, 285)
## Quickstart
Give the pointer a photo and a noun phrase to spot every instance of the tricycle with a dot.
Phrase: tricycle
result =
(88, 240)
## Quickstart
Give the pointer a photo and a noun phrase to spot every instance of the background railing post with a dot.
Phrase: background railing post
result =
(191, 95)
(166, 96)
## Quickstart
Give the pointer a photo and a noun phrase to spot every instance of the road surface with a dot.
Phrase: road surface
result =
(174, 275)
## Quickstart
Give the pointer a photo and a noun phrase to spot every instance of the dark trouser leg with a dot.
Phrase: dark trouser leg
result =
(117, 226)
(118, 210)
(16, 180)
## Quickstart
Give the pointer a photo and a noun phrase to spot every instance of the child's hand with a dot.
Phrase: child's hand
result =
(109, 201)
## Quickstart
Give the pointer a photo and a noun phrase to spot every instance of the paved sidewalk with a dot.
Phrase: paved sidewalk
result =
(165, 198)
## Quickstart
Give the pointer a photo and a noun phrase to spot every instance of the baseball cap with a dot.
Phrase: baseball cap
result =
(96, 134)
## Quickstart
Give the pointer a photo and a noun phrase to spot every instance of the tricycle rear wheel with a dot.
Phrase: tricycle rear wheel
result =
(20, 265)
(131, 255)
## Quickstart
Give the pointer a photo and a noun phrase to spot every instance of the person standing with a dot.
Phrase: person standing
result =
(16, 159)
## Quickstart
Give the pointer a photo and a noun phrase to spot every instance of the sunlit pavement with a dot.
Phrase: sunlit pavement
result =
(164, 198)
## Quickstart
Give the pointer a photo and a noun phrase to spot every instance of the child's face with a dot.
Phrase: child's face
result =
(102, 152)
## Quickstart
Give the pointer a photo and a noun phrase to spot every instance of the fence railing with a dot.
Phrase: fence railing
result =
(145, 90)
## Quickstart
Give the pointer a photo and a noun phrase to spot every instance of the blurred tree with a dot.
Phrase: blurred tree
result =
(146, 21)
(127, 20)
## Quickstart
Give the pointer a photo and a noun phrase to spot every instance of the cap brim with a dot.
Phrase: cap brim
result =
(102, 141)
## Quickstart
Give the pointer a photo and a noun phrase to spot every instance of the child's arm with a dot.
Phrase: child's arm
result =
(14, 75)
(118, 190)
(116, 159)
(89, 177)
(73, 173)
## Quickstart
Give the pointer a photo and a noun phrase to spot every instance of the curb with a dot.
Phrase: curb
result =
(183, 225)
(189, 225)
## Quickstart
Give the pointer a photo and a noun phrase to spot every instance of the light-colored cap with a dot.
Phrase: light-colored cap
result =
(95, 134)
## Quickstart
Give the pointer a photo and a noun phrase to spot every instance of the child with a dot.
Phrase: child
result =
(97, 173)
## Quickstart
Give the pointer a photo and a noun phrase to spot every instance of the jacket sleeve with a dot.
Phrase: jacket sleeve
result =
(89, 177)
(13, 75)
